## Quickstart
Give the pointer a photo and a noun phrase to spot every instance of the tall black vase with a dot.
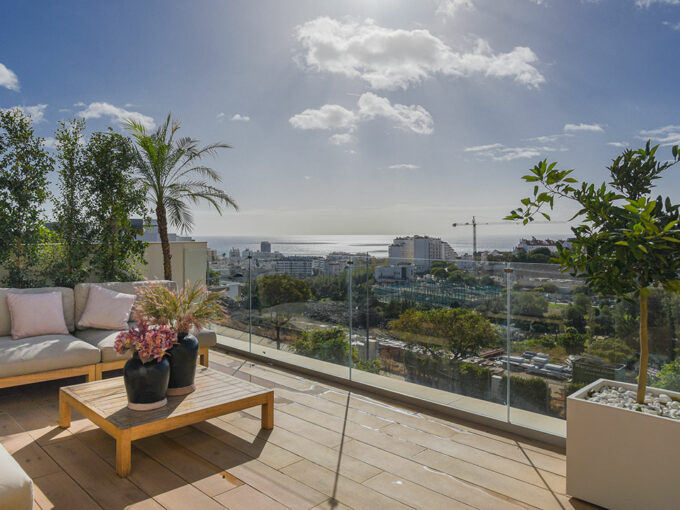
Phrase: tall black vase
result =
(146, 383)
(183, 359)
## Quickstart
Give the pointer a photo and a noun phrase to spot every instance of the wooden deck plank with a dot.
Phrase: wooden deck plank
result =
(391, 456)
(97, 477)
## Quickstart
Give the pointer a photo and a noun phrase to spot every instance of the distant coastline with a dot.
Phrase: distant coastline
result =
(375, 245)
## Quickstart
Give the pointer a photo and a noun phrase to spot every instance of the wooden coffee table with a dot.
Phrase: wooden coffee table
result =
(105, 404)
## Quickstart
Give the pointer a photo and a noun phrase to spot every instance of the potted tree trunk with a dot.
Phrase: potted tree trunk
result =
(185, 311)
(622, 439)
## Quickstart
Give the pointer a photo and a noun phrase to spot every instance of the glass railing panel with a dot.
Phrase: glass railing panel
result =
(435, 329)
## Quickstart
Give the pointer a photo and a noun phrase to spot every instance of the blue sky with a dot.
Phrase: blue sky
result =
(360, 116)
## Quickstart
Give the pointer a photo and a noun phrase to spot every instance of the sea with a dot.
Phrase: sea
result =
(374, 245)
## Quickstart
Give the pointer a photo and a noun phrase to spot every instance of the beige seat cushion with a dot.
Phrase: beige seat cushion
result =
(106, 309)
(105, 339)
(44, 353)
(82, 291)
(36, 314)
(67, 300)
(16, 488)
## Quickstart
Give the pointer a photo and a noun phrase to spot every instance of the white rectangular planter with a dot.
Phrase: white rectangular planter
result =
(622, 459)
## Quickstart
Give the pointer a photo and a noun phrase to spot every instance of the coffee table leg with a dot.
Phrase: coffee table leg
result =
(64, 413)
(268, 412)
(123, 455)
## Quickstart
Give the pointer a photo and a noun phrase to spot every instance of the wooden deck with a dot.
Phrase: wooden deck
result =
(329, 449)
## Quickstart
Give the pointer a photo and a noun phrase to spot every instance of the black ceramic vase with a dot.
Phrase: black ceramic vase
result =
(146, 383)
(183, 359)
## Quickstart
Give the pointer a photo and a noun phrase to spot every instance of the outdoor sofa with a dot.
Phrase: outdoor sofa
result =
(87, 352)
(16, 488)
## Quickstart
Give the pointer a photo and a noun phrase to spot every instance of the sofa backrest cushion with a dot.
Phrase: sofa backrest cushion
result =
(82, 292)
(36, 314)
(106, 309)
(67, 300)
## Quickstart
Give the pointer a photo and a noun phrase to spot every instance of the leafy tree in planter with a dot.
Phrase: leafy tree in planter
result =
(73, 226)
(171, 174)
(115, 198)
(24, 165)
(627, 241)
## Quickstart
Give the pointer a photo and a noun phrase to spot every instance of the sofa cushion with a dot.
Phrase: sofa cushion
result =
(106, 309)
(104, 340)
(44, 353)
(36, 314)
(16, 488)
(67, 300)
(82, 291)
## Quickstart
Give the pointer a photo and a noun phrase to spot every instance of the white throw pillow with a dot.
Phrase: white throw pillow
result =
(36, 314)
(106, 309)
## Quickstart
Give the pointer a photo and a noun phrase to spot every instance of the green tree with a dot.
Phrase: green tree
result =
(601, 322)
(669, 377)
(277, 292)
(71, 206)
(439, 272)
(575, 318)
(24, 165)
(114, 198)
(547, 288)
(278, 289)
(172, 176)
(331, 345)
(572, 341)
(528, 303)
(459, 331)
(627, 241)
(610, 349)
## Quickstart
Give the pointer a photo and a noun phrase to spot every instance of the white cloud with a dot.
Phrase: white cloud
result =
(238, 117)
(116, 114)
(342, 138)
(499, 152)
(79, 104)
(583, 127)
(649, 3)
(667, 135)
(549, 138)
(8, 79)
(672, 25)
(37, 112)
(50, 142)
(334, 117)
(308, 177)
(449, 8)
(220, 116)
(409, 118)
(618, 144)
(404, 166)
(329, 116)
(395, 58)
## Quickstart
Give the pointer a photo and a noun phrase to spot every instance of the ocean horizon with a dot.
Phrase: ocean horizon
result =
(374, 245)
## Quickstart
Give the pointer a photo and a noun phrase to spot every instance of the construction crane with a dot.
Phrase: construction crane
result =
(474, 224)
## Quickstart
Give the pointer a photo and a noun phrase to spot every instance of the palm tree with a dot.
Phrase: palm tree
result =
(170, 171)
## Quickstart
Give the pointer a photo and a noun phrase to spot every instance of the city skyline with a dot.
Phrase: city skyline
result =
(382, 117)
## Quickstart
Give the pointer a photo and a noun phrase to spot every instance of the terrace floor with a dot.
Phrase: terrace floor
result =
(330, 449)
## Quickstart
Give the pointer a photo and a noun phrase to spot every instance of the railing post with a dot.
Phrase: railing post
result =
(508, 272)
(250, 306)
(350, 263)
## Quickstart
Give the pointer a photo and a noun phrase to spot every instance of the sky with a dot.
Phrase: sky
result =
(361, 116)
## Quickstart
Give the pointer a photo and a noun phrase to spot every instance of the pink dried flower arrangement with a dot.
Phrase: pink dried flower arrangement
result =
(192, 307)
(149, 342)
